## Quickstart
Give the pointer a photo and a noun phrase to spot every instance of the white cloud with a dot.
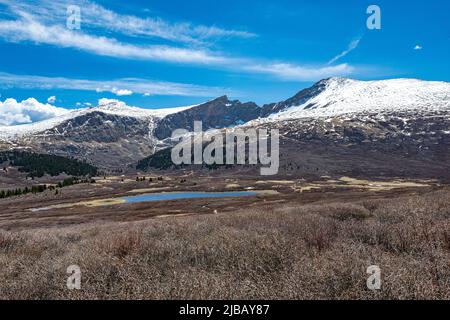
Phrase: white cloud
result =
(122, 92)
(418, 47)
(51, 99)
(30, 110)
(84, 104)
(97, 16)
(28, 27)
(352, 46)
(106, 101)
(301, 73)
(126, 85)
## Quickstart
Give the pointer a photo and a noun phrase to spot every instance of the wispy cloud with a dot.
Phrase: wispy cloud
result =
(119, 87)
(351, 46)
(301, 73)
(59, 36)
(28, 29)
(97, 16)
(418, 47)
(84, 104)
(38, 28)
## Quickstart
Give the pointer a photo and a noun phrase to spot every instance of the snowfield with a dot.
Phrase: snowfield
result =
(342, 96)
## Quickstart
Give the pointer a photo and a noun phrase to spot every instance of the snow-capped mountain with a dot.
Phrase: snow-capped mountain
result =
(106, 106)
(340, 96)
(399, 113)
(390, 128)
(109, 135)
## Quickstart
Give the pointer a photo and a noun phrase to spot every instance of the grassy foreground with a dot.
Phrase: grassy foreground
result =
(299, 252)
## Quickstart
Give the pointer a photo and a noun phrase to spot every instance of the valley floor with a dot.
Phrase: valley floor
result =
(302, 240)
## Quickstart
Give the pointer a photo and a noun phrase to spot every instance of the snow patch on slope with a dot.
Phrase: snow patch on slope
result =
(108, 106)
(116, 107)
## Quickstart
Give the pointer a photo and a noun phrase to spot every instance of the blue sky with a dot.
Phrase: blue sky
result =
(155, 54)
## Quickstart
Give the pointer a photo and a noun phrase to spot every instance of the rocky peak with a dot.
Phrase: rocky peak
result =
(300, 98)
(218, 113)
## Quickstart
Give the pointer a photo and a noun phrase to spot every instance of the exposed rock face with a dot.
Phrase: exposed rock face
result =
(106, 140)
(99, 127)
(218, 113)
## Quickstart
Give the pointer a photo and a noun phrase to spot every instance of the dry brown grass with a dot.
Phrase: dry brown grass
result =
(304, 252)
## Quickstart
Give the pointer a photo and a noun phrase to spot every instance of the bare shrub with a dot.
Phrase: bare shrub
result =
(122, 244)
(9, 241)
(348, 211)
(316, 251)
(318, 232)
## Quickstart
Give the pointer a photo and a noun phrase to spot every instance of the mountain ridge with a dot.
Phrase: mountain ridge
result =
(337, 96)
(292, 106)
(116, 135)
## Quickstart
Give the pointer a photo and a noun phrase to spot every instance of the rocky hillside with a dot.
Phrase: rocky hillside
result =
(218, 113)
(110, 136)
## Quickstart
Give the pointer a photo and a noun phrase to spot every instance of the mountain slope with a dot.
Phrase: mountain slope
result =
(218, 113)
(111, 135)
(339, 96)
(405, 117)
(113, 107)
(37, 165)
(299, 99)
(392, 128)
